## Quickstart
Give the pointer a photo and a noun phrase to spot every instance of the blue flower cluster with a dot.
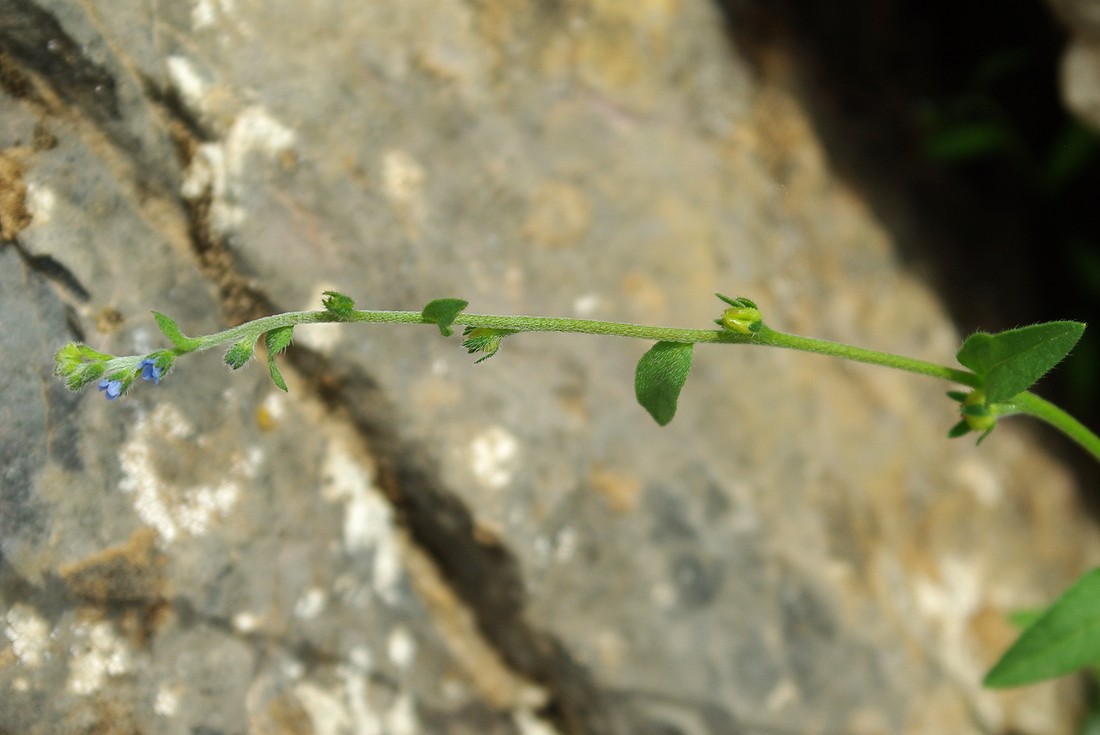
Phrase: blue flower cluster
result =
(113, 388)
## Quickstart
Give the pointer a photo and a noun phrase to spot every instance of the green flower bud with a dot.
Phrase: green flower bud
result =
(742, 319)
(977, 414)
(79, 365)
(67, 360)
(84, 375)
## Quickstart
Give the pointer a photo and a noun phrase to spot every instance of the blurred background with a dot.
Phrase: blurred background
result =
(971, 129)
(406, 543)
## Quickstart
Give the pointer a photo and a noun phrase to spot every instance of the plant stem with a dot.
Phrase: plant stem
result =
(589, 326)
(1025, 403)
(765, 336)
(1042, 409)
(256, 327)
(771, 337)
(516, 323)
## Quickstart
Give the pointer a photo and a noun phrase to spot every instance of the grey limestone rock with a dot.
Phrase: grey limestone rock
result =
(1080, 73)
(405, 543)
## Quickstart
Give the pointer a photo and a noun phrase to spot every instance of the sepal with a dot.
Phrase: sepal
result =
(85, 375)
(276, 341)
(240, 353)
(743, 316)
(156, 365)
(484, 340)
(978, 414)
(337, 303)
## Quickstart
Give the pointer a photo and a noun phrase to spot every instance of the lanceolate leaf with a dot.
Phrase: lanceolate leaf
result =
(1010, 362)
(276, 341)
(659, 377)
(1064, 639)
(442, 312)
(173, 333)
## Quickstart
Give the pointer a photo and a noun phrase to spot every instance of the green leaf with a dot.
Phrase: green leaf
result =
(240, 353)
(276, 376)
(338, 304)
(964, 141)
(442, 312)
(1010, 362)
(1026, 618)
(276, 341)
(173, 333)
(1064, 639)
(659, 377)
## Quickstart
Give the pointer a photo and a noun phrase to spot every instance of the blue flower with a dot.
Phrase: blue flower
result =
(150, 371)
(112, 388)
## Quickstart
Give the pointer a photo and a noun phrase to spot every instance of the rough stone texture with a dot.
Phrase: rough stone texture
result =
(406, 543)
(1080, 77)
(1081, 81)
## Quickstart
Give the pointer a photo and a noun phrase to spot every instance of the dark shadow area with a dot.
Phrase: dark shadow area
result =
(946, 117)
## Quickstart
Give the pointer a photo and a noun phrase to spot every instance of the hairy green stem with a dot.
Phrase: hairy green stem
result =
(771, 337)
(765, 336)
(1032, 405)
(515, 323)
(1025, 403)
(256, 327)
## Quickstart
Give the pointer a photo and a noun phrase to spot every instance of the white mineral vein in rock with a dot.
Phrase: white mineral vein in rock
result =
(215, 14)
(401, 647)
(365, 719)
(587, 304)
(311, 603)
(219, 168)
(186, 80)
(528, 724)
(169, 508)
(950, 602)
(326, 710)
(368, 518)
(29, 634)
(246, 622)
(976, 475)
(97, 654)
(361, 658)
(275, 404)
(492, 457)
(167, 700)
(402, 177)
(40, 201)
(784, 693)
(401, 718)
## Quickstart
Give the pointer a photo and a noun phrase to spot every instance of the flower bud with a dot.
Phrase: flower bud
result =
(742, 319)
(977, 413)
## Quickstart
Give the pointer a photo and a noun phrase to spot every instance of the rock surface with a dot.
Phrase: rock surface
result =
(1080, 78)
(405, 543)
